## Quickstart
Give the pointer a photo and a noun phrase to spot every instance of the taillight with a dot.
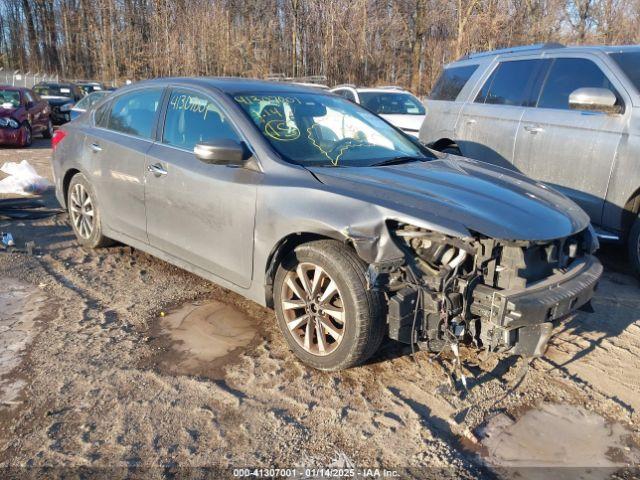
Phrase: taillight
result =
(58, 136)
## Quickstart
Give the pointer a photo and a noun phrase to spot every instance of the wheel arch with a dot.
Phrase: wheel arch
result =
(444, 143)
(66, 181)
(630, 212)
(286, 245)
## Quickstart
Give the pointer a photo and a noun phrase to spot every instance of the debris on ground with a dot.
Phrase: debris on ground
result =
(22, 180)
(7, 239)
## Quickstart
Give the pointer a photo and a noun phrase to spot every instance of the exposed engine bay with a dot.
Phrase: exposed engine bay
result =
(500, 296)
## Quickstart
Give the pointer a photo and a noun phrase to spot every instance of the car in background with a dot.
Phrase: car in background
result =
(565, 116)
(90, 87)
(22, 115)
(61, 97)
(399, 107)
(87, 102)
(350, 229)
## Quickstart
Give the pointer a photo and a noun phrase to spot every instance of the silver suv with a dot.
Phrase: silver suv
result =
(566, 116)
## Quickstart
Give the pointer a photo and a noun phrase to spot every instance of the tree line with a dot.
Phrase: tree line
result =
(366, 42)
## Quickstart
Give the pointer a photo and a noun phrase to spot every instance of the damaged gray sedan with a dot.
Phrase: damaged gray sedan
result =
(307, 203)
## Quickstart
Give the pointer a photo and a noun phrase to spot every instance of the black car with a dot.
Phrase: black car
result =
(62, 97)
(90, 87)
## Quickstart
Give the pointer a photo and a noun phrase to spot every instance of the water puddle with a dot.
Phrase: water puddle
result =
(20, 305)
(557, 441)
(199, 338)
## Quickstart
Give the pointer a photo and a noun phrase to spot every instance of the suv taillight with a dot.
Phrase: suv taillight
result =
(58, 136)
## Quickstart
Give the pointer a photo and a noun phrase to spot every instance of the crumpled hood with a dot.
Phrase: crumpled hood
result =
(481, 197)
(55, 100)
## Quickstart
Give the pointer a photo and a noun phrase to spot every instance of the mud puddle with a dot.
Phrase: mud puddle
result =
(200, 338)
(558, 441)
(20, 306)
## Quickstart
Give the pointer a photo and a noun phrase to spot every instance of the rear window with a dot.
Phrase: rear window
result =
(451, 82)
(629, 62)
(391, 103)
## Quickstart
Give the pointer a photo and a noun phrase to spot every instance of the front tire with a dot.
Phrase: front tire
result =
(328, 316)
(26, 135)
(633, 243)
(84, 213)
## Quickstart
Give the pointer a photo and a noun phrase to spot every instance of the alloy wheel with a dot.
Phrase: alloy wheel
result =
(313, 309)
(81, 211)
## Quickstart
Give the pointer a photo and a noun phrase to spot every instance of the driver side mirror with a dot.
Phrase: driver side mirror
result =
(594, 99)
(29, 105)
(221, 152)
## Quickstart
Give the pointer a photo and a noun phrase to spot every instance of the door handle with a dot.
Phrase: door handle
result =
(533, 129)
(157, 170)
(95, 147)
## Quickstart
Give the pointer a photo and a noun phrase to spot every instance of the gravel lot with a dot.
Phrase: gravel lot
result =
(89, 378)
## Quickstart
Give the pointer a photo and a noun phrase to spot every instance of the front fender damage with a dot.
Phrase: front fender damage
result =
(497, 295)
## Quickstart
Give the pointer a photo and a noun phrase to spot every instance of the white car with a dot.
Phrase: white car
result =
(399, 107)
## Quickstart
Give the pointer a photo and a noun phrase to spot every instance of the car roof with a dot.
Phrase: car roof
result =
(54, 84)
(233, 85)
(541, 48)
(383, 90)
(11, 87)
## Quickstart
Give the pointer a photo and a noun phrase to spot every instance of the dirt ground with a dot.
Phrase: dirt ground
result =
(90, 377)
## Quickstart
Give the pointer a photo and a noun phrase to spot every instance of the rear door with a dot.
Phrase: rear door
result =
(571, 150)
(488, 124)
(200, 213)
(117, 146)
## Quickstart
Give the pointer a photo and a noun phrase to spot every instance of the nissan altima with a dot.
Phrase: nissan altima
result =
(310, 204)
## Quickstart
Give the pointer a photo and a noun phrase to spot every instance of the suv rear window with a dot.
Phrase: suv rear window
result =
(629, 62)
(451, 82)
(515, 83)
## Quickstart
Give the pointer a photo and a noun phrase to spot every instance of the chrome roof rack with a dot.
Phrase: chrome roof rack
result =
(523, 48)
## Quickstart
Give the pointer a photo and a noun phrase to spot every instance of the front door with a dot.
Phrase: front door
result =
(200, 213)
(570, 150)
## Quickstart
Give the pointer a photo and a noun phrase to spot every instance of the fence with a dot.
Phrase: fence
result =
(21, 79)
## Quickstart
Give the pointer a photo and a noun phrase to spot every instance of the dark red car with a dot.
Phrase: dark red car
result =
(23, 114)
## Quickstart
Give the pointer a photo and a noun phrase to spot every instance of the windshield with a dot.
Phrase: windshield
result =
(325, 130)
(391, 103)
(53, 91)
(9, 98)
(629, 62)
(90, 100)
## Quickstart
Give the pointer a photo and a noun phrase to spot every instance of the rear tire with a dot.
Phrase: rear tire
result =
(84, 213)
(453, 150)
(633, 243)
(354, 327)
(48, 132)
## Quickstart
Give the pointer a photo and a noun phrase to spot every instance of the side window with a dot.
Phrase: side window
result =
(515, 83)
(451, 82)
(134, 112)
(348, 94)
(101, 117)
(28, 98)
(567, 75)
(192, 118)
